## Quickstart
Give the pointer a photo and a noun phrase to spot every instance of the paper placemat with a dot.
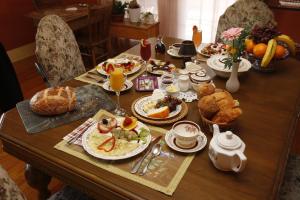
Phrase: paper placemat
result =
(93, 77)
(165, 171)
(90, 99)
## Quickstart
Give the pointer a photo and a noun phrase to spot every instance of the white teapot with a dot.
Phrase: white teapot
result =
(226, 151)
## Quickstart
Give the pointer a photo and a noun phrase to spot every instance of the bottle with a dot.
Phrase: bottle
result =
(160, 47)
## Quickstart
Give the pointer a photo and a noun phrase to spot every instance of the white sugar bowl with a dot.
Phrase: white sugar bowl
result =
(226, 151)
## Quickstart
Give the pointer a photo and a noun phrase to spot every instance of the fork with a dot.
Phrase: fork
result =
(80, 134)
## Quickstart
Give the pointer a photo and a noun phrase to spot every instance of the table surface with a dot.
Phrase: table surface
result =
(270, 103)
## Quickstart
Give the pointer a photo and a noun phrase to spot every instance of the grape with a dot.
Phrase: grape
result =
(263, 34)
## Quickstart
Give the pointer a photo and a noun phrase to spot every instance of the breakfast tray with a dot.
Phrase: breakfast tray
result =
(90, 98)
(165, 171)
(158, 122)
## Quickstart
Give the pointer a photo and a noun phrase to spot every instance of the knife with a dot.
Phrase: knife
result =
(138, 164)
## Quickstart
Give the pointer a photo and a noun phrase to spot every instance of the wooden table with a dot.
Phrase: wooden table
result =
(79, 19)
(136, 31)
(270, 104)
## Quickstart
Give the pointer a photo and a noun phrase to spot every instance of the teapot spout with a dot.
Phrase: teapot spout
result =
(216, 130)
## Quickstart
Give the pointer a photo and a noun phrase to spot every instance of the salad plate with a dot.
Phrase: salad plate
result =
(144, 103)
(207, 50)
(129, 66)
(122, 149)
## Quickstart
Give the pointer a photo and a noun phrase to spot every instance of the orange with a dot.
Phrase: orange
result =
(259, 50)
(130, 126)
(160, 113)
(249, 45)
(279, 52)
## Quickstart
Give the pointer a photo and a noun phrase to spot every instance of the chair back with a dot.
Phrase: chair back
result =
(244, 13)
(99, 22)
(40, 4)
(10, 89)
(57, 50)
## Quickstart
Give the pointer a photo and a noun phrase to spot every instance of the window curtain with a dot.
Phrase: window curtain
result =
(177, 17)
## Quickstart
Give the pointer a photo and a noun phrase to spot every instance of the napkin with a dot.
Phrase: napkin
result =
(79, 131)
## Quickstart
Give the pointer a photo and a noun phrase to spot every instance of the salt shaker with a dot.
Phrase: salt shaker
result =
(184, 83)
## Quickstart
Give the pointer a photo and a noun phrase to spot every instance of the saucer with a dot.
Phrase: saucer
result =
(173, 54)
(171, 142)
(127, 85)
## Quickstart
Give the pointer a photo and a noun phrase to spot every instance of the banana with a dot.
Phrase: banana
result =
(286, 39)
(269, 53)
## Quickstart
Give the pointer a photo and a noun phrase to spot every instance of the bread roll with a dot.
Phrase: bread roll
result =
(205, 89)
(227, 115)
(208, 106)
(53, 101)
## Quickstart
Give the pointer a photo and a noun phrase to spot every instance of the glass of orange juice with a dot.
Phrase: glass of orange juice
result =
(117, 81)
(197, 36)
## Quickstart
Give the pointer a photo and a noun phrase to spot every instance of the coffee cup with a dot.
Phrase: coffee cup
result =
(186, 133)
(175, 47)
(187, 49)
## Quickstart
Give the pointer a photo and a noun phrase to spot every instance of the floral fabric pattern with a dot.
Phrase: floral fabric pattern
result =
(57, 50)
(8, 189)
(243, 13)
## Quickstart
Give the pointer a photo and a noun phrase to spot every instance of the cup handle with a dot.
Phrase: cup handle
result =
(243, 161)
(171, 47)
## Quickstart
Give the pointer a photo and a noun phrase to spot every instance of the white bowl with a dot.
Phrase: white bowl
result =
(214, 62)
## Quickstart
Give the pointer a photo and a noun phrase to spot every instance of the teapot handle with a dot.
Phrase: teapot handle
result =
(243, 161)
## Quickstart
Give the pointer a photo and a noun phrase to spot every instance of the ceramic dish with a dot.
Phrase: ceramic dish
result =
(88, 135)
(171, 142)
(157, 69)
(212, 48)
(173, 54)
(137, 67)
(216, 64)
(139, 105)
(128, 84)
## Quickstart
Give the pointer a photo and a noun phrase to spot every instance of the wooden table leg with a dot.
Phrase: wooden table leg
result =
(38, 180)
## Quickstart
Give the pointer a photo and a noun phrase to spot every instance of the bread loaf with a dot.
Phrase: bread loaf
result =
(53, 101)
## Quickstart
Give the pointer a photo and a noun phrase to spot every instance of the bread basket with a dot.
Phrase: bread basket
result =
(207, 124)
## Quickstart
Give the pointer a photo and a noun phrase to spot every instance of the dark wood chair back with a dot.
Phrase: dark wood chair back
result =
(10, 89)
(99, 23)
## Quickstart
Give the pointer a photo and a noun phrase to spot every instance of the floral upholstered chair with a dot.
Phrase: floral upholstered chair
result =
(8, 189)
(243, 13)
(57, 50)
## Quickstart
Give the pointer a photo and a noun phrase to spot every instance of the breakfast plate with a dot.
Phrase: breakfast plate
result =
(171, 142)
(216, 64)
(210, 49)
(140, 105)
(158, 67)
(124, 149)
(127, 85)
(130, 66)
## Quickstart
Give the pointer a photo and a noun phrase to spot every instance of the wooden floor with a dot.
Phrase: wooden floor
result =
(30, 83)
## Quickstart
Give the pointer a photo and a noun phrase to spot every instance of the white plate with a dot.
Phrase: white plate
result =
(158, 71)
(202, 46)
(170, 140)
(173, 54)
(214, 63)
(139, 105)
(86, 136)
(137, 67)
(128, 84)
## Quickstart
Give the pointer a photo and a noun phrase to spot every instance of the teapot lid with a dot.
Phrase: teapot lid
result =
(228, 140)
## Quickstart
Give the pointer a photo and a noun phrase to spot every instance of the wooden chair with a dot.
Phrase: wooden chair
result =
(40, 4)
(57, 51)
(96, 42)
(243, 13)
(10, 89)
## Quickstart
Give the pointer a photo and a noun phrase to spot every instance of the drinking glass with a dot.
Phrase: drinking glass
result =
(117, 81)
(197, 37)
(145, 52)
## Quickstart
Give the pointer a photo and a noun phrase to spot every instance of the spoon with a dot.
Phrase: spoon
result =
(155, 151)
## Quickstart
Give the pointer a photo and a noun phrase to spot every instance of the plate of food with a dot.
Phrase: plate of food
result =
(129, 66)
(210, 49)
(116, 138)
(164, 108)
(127, 85)
(158, 67)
